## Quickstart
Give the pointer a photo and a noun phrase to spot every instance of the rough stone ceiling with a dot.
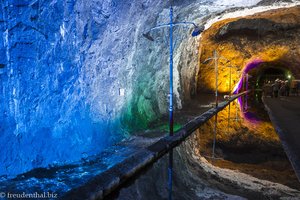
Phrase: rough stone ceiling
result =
(267, 37)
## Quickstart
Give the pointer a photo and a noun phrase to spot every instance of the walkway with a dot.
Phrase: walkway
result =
(285, 115)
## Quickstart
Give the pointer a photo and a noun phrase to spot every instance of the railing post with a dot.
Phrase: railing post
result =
(216, 116)
(171, 120)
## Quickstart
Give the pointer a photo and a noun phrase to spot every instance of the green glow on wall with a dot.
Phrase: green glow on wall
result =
(165, 127)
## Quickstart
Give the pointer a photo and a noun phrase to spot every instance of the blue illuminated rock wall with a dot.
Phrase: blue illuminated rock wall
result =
(64, 65)
(57, 103)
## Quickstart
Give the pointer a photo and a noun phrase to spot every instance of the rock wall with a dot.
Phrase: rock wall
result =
(262, 40)
(77, 76)
(50, 91)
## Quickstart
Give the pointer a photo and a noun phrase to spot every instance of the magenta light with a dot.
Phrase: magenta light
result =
(253, 64)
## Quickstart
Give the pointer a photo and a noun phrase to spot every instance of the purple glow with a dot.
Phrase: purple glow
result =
(253, 64)
(252, 117)
(240, 102)
(249, 116)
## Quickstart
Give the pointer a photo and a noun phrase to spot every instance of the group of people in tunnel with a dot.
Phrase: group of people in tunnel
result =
(280, 88)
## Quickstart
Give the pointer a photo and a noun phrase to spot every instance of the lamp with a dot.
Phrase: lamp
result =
(197, 31)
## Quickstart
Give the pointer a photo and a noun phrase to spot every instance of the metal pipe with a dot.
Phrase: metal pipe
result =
(171, 120)
(216, 74)
(147, 35)
(216, 116)
(247, 85)
(236, 111)
(229, 97)
(215, 135)
(230, 81)
(228, 122)
(170, 174)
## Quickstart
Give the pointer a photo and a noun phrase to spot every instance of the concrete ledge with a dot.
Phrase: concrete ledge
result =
(111, 179)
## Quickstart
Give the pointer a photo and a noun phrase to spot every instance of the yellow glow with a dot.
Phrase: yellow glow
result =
(242, 49)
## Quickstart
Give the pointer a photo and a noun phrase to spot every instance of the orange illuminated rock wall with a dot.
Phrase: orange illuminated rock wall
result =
(272, 37)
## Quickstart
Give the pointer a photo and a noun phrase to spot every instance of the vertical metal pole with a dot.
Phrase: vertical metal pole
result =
(246, 96)
(236, 101)
(236, 111)
(228, 123)
(216, 73)
(229, 97)
(170, 174)
(230, 81)
(243, 98)
(171, 73)
(215, 133)
(216, 116)
(170, 169)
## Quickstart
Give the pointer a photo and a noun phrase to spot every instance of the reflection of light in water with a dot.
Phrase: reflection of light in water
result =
(239, 101)
(246, 114)
(249, 116)
(253, 64)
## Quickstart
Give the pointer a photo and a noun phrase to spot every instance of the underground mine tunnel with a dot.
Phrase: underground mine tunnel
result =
(144, 99)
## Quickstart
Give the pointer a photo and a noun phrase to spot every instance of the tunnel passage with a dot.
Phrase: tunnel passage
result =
(262, 47)
(248, 43)
(256, 75)
(269, 72)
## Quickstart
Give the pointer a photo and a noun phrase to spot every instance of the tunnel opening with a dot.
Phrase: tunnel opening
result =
(267, 73)
(270, 74)
(262, 79)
